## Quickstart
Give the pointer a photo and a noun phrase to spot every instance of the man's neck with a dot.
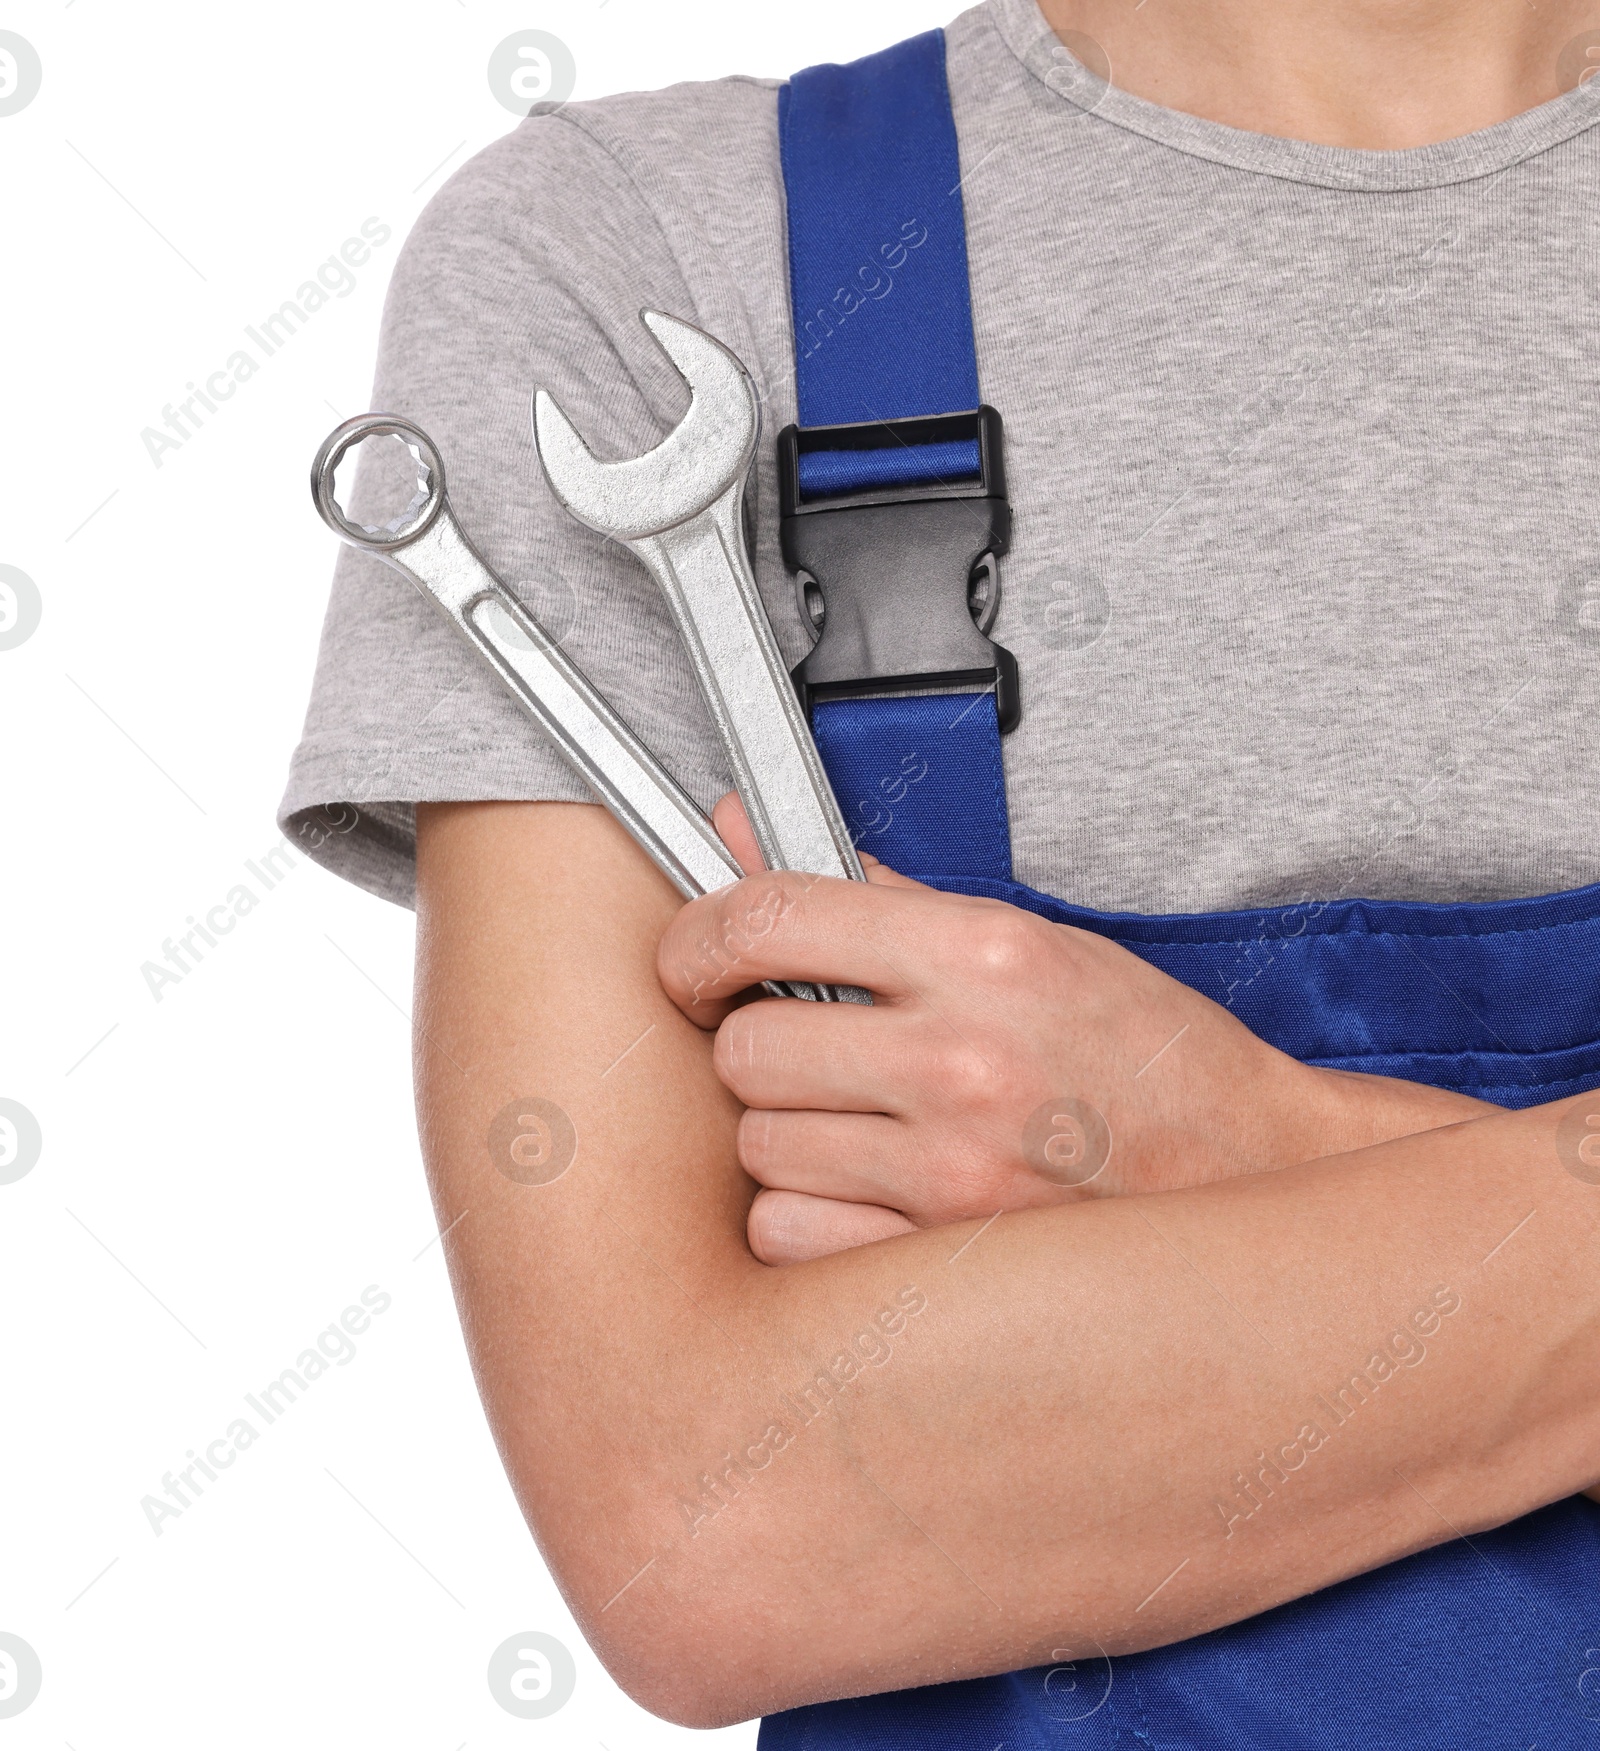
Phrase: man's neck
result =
(1379, 75)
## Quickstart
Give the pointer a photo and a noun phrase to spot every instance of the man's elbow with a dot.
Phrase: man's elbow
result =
(687, 1682)
(697, 1645)
(688, 1661)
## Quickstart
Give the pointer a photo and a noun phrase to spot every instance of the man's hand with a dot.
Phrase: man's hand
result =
(1007, 1063)
(714, 1454)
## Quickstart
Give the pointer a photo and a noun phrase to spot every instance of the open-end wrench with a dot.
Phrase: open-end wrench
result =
(680, 509)
(425, 545)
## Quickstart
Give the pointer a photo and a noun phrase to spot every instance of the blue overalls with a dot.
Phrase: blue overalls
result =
(892, 490)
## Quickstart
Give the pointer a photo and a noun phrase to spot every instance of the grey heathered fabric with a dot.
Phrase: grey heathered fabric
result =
(1305, 435)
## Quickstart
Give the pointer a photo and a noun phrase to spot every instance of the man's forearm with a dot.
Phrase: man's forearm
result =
(1111, 1424)
(1349, 1110)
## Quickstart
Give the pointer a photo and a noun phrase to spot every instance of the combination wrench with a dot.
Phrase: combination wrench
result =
(680, 510)
(425, 544)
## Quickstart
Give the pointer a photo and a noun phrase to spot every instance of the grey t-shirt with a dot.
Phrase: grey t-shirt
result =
(1305, 584)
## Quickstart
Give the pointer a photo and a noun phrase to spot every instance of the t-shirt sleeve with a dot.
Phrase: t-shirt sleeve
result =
(529, 269)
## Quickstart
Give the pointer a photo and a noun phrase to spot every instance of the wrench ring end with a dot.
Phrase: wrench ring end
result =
(338, 443)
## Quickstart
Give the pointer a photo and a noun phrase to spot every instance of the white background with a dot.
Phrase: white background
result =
(223, 1171)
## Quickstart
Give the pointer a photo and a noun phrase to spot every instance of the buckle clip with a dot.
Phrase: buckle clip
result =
(907, 519)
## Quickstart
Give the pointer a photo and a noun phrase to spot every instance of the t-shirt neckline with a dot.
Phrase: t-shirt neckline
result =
(1029, 37)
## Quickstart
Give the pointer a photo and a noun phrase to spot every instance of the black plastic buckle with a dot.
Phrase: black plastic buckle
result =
(895, 567)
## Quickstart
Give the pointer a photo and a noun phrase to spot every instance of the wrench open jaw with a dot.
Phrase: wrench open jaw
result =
(679, 508)
(707, 452)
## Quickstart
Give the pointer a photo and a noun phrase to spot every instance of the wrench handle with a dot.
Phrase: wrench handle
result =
(430, 551)
(570, 711)
(704, 572)
(661, 817)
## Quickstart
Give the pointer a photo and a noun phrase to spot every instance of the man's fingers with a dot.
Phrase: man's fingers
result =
(862, 1158)
(881, 876)
(776, 925)
(842, 1057)
(785, 925)
(733, 828)
(787, 1228)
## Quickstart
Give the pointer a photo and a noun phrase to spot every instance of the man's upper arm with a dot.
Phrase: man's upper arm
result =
(527, 270)
(964, 1450)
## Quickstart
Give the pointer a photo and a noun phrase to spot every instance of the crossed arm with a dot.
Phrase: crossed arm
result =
(1087, 1424)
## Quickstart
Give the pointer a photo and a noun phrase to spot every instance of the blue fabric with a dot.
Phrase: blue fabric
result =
(873, 175)
(873, 178)
(837, 471)
(1489, 1643)
(1492, 1646)
(919, 780)
(1498, 1001)
(1492, 1643)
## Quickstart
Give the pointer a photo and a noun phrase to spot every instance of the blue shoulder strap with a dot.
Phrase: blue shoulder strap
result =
(877, 240)
(893, 483)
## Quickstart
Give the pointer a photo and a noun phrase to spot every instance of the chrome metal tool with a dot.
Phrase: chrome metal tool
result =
(425, 544)
(680, 509)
